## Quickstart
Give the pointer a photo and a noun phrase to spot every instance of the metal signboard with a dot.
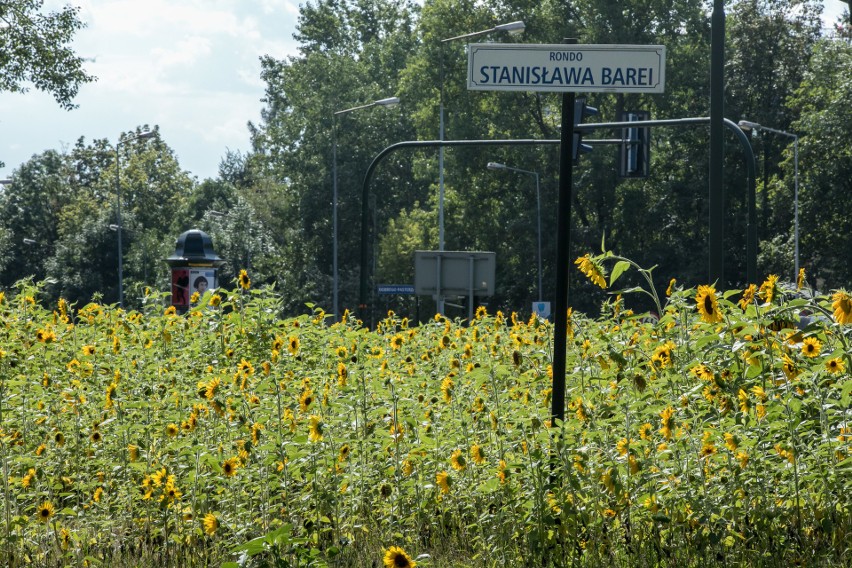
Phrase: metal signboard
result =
(461, 273)
(590, 68)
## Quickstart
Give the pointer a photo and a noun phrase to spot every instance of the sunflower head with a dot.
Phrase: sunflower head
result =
(315, 433)
(211, 523)
(396, 557)
(458, 461)
(769, 289)
(592, 269)
(45, 512)
(835, 366)
(245, 282)
(842, 306)
(707, 304)
(229, 467)
(811, 347)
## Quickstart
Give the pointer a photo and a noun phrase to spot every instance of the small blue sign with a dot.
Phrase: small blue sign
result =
(541, 309)
(395, 288)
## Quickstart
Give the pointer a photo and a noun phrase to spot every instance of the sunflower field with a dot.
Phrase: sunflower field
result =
(719, 432)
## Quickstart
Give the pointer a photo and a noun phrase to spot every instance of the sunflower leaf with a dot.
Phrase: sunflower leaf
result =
(618, 270)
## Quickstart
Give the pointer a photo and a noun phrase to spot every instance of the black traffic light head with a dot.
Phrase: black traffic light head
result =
(581, 111)
(635, 152)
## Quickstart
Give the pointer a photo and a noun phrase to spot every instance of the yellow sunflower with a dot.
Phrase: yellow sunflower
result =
(397, 341)
(748, 296)
(592, 270)
(442, 478)
(211, 523)
(477, 454)
(395, 557)
(811, 347)
(229, 467)
(842, 306)
(671, 287)
(245, 282)
(708, 305)
(306, 399)
(293, 345)
(667, 417)
(316, 429)
(457, 461)
(215, 300)
(45, 512)
(835, 366)
(769, 288)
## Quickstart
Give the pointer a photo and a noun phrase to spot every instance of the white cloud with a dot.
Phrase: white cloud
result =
(189, 66)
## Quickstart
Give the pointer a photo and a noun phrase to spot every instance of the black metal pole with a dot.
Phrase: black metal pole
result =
(563, 260)
(717, 146)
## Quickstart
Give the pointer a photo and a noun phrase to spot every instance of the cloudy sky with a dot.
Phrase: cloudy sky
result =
(189, 66)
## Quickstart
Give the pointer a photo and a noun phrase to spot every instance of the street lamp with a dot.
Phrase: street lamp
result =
(390, 101)
(512, 28)
(142, 136)
(747, 125)
(496, 166)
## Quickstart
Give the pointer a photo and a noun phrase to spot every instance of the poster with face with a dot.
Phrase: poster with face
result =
(180, 287)
(201, 280)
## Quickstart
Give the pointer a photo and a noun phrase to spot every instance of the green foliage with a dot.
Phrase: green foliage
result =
(35, 49)
(825, 163)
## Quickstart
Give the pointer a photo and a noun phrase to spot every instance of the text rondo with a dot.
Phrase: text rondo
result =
(562, 68)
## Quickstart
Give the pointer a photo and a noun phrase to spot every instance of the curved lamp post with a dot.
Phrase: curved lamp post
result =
(512, 28)
(497, 166)
(142, 136)
(747, 125)
(390, 101)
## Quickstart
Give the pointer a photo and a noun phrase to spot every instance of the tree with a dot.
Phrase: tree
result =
(34, 48)
(351, 54)
(824, 99)
(30, 207)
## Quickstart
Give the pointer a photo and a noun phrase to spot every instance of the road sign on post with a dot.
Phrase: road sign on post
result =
(566, 68)
(462, 273)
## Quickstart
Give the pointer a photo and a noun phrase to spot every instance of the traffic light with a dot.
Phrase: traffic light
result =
(635, 153)
(581, 111)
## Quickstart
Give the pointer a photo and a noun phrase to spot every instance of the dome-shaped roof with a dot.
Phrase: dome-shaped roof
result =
(194, 247)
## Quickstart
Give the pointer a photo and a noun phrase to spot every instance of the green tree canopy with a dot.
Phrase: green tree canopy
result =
(34, 49)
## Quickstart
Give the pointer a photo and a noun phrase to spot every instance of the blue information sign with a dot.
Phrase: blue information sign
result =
(395, 288)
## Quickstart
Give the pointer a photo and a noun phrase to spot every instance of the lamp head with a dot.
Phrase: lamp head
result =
(495, 166)
(513, 28)
(390, 101)
(748, 125)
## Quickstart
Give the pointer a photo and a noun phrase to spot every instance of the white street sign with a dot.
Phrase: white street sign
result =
(566, 68)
